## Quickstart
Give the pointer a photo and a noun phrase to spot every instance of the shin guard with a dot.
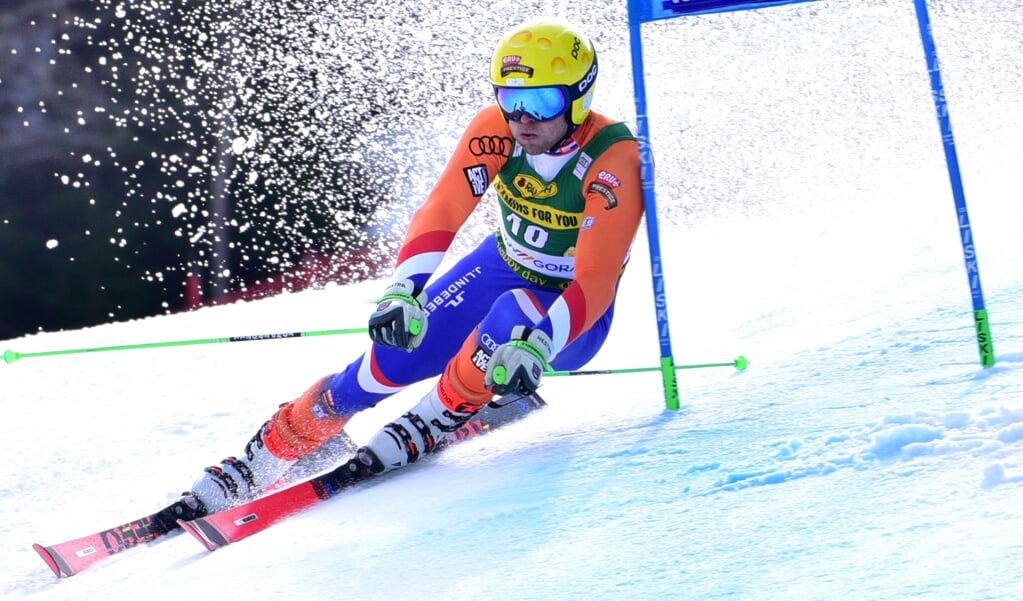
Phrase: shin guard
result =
(301, 426)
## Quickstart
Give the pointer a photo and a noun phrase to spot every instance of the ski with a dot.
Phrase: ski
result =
(74, 556)
(226, 527)
(71, 557)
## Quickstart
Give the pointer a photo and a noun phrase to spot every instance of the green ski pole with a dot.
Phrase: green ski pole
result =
(740, 363)
(11, 356)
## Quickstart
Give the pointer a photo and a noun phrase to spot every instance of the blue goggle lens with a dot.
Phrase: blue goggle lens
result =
(542, 104)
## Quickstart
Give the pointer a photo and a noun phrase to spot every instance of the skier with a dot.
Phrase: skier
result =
(538, 294)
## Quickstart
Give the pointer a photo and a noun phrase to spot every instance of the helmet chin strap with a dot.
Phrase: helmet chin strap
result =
(564, 141)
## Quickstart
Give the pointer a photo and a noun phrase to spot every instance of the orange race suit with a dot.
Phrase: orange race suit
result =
(568, 219)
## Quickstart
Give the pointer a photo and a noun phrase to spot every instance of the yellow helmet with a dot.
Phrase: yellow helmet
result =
(544, 53)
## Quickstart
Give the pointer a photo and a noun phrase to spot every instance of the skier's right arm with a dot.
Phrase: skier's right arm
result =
(399, 320)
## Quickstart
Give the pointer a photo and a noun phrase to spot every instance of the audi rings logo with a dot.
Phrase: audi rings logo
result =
(498, 145)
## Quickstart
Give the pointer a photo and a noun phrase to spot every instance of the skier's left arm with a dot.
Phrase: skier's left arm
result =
(614, 209)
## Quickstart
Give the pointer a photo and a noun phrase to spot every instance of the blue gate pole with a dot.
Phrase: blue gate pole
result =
(642, 11)
(670, 382)
(980, 318)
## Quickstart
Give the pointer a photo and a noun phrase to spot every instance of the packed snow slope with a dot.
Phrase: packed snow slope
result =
(809, 226)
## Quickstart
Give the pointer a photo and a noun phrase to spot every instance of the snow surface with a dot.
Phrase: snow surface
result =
(864, 454)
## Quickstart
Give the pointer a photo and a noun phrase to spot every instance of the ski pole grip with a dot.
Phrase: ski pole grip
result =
(500, 375)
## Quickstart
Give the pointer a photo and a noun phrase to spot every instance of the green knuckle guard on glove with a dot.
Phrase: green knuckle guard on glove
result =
(399, 320)
(517, 365)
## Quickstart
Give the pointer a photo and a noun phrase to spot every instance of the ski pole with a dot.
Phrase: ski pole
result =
(740, 363)
(12, 356)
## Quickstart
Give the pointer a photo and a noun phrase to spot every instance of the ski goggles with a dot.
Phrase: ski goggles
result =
(541, 104)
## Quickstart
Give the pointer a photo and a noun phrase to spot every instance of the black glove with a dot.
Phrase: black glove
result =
(399, 320)
(517, 365)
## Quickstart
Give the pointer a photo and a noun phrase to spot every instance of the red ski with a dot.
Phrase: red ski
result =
(216, 530)
(71, 557)
(223, 528)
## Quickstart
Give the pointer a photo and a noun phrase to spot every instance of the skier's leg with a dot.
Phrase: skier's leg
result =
(461, 392)
(458, 299)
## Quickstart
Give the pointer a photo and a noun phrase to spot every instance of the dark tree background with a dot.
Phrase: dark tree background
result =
(160, 156)
(77, 282)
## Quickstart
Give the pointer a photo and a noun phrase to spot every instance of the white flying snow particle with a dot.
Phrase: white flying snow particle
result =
(52, 244)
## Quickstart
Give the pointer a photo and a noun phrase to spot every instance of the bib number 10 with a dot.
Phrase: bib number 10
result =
(533, 234)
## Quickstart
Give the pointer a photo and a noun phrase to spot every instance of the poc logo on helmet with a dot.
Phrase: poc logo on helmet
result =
(585, 83)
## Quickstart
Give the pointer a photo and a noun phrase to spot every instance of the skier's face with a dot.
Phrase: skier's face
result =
(537, 137)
